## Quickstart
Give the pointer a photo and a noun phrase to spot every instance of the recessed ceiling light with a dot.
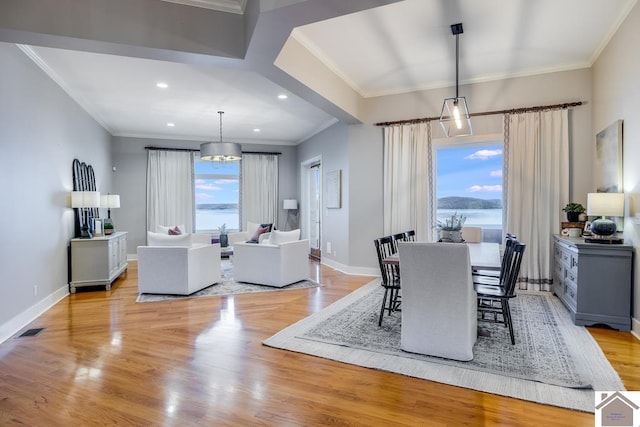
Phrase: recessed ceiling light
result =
(282, 96)
(256, 130)
(162, 85)
(171, 124)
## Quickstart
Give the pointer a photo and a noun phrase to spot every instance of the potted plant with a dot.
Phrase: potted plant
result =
(224, 238)
(108, 228)
(573, 211)
(450, 229)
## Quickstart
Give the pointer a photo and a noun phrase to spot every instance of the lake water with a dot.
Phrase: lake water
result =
(487, 218)
(211, 219)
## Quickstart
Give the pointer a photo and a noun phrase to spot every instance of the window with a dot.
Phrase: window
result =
(217, 194)
(469, 182)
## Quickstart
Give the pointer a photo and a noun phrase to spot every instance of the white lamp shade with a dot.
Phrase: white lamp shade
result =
(85, 199)
(110, 201)
(288, 204)
(221, 151)
(605, 204)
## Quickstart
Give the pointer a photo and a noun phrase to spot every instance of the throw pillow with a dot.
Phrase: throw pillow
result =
(278, 237)
(164, 229)
(175, 231)
(256, 236)
(159, 239)
(267, 226)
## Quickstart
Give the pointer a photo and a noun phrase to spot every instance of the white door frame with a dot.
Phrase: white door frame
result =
(304, 196)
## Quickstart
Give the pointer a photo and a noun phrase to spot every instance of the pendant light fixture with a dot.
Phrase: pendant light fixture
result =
(221, 151)
(454, 118)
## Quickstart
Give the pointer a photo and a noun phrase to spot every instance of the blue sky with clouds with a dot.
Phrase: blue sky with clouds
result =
(470, 172)
(208, 190)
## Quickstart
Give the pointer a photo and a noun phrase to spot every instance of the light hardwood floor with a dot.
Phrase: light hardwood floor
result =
(104, 359)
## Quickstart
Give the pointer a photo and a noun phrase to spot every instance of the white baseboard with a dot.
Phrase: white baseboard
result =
(351, 270)
(13, 326)
(635, 328)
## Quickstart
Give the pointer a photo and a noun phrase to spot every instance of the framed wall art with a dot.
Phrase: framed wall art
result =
(608, 161)
(334, 189)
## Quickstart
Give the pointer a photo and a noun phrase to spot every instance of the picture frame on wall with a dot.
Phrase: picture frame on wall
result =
(608, 161)
(334, 189)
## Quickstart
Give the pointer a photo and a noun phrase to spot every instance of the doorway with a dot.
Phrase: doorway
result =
(312, 202)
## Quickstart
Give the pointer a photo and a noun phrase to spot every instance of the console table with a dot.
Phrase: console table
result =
(594, 281)
(98, 261)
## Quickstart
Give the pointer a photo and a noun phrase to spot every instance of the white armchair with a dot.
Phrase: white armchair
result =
(243, 236)
(177, 264)
(439, 313)
(277, 264)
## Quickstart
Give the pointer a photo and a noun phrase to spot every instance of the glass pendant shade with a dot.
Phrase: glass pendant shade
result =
(454, 118)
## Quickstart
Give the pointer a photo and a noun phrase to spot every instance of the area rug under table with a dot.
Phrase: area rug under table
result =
(553, 362)
(228, 286)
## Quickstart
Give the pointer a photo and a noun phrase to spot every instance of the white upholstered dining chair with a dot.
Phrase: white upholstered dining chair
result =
(439, 313)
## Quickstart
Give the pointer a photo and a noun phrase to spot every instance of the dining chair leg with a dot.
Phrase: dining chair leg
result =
(384, 303)
(508, 320)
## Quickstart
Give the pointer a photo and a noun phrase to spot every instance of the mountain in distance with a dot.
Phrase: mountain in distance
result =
(455, 202)
(217, 206)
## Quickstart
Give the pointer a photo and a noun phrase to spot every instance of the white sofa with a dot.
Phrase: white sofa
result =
(179, 265)
(278, 261)
(439, 312)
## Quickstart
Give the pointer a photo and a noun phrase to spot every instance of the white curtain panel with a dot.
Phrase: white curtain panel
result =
(259, 189)
(407, 181)
(169, 189)
(537, 187)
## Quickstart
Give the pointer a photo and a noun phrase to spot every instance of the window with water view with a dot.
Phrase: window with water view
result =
(469, 182)
(217, 192)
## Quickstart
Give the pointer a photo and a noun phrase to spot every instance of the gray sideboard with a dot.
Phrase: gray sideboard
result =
(98, 261)
(593, 281)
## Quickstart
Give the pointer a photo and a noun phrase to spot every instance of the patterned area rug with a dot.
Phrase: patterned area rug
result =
(553, 362)
(228, 286)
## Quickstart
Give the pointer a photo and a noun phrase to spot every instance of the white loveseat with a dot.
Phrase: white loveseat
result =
(179, 265)
(439, 313)
(278, 261)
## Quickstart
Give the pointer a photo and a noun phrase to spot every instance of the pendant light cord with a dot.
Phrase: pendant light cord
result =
(457, 60)
(221, 113)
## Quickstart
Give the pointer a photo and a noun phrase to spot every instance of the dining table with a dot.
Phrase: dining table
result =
(483, 256)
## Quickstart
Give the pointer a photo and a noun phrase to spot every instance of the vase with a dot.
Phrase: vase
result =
(451, 236)
(224, 240)
(573, 216)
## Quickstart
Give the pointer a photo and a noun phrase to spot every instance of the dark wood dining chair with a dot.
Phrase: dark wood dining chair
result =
(493, 277)
(398, 237)
(493, 301)
(410, 236)
(390, 277)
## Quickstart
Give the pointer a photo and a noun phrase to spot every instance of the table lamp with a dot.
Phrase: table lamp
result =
(289, 205)
(108, 202)
(603, 205)
(83, 200)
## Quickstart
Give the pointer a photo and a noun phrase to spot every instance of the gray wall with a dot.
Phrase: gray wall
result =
(130, 178)
(332, 145)
(616, 90)
(41, 131)
(357, 150)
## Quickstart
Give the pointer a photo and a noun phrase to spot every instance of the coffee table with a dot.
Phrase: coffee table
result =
(226, 252)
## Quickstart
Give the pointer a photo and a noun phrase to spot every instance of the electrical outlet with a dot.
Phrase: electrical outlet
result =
(328, 247)
(35, 290)
(334, 254)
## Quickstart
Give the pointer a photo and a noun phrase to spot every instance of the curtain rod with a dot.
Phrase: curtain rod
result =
(488, 113)
(195, 149)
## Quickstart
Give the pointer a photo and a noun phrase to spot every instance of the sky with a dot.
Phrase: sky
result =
(469, 172)
(206, 190)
